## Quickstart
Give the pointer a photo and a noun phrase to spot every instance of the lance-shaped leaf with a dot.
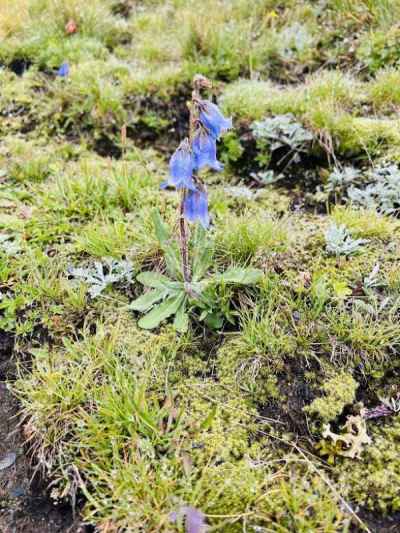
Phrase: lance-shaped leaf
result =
(161, 229)
(172, 259)
(147, 300)
(181, 322)
(241, 276)
(168, 246)
(202, 253)
(162, 311)
(155, 280)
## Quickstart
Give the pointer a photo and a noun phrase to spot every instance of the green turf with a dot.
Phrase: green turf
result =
(229, 419)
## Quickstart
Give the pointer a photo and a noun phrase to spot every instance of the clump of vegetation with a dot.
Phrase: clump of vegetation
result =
(340, 242)
(101, 275)
(339, 180)
(373, 479)
(338, 392)
(187, 287)
(382, 193)
(282, 131)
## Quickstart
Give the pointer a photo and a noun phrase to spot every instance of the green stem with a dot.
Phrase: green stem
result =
(184, 241)
(198, 83)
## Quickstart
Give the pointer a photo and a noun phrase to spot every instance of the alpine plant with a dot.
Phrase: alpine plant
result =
(195, 152)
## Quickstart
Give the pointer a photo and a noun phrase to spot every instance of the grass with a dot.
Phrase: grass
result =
(331, 104)
(228, 417)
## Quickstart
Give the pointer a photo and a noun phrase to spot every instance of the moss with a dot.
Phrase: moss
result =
(338, 391)
(220, 430)
(252, 360)
(373, 481)
(384, 91)
(248, 99)
(253, 99)
(302, 502)
(365, 224)
(232, 488)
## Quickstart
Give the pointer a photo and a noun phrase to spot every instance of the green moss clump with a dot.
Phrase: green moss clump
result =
(339, 391)
(374, 481)
(252, 360)
(219, 429)
(365, 223)
(301, 501)
(385, 90)
(232, 488)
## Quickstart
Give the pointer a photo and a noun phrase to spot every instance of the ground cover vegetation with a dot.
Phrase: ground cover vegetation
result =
(258, 391)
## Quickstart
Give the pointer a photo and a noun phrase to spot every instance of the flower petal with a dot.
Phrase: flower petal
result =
(195, 208)
(63, 71)
(205, 151)
(212, 119)
(181, 166)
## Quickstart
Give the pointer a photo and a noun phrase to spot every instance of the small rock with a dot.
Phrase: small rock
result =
(8, 460)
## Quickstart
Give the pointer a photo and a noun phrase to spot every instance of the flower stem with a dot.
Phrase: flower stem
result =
(199, 82)
(184, 241)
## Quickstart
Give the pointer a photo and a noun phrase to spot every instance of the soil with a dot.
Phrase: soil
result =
(25, 506)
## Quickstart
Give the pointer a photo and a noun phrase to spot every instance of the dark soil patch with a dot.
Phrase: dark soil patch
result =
(173, 114)
(19, 66)
(380, 524)
(25, 506)
(294, 387)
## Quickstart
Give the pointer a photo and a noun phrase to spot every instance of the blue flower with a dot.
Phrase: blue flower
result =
(195, 207)
(181, 166)
(205, 151)
(195, 520)
(212, 118)
(63, 71)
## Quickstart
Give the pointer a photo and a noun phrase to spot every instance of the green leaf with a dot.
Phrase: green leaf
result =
(161, 229)
(173, 259)
(242, 276)
(162, 311)
(181, 322)
(214, 320)
(202, 253)
(153, 279)
(168, 246)
(144, 302)
(341, 290)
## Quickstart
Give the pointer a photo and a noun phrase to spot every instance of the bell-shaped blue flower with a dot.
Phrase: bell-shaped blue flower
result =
(212, 119)
(205, 151)
(195, 207)
(181, 166)
(63, 71)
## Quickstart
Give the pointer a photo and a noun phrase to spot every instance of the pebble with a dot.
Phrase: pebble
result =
(8, 460)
